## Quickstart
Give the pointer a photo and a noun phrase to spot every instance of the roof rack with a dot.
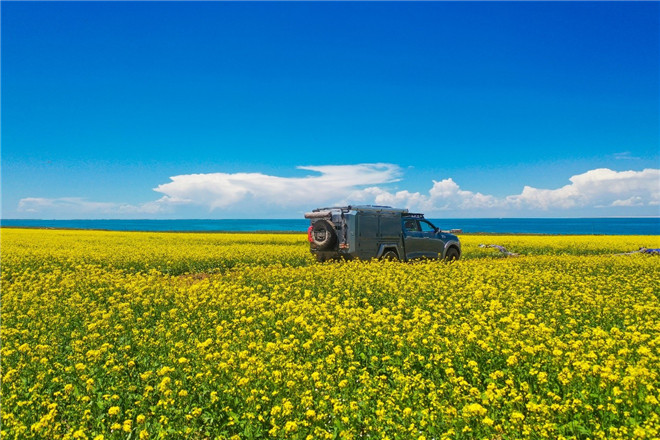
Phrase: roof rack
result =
(343, 208)
(364, 207)
(378, 208)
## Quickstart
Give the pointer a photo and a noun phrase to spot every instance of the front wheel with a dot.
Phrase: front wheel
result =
(452, 254)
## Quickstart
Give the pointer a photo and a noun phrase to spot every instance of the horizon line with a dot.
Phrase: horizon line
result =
(297, 218)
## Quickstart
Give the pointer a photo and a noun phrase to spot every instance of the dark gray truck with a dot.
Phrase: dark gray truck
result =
(369, 231)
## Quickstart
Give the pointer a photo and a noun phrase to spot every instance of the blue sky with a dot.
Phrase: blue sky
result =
(257, 110)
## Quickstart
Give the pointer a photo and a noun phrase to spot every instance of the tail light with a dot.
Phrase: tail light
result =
(309, 234)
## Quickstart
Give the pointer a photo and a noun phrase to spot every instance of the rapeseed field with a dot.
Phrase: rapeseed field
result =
(117, 335)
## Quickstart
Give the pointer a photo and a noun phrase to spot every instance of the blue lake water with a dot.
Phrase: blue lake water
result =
(609, 226)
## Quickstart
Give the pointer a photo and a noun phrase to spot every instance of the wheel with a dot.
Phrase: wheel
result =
(320, 258)
(390, 255)
(323, 234)
(452, 254)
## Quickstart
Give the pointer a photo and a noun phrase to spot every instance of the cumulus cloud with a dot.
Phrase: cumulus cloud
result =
(331, 183)
(444, 195)
(326, 184)
(595, 190)
(600, 187)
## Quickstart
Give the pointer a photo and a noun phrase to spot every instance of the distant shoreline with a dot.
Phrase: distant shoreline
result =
(140, 230)
(530, 226)
(296, 232)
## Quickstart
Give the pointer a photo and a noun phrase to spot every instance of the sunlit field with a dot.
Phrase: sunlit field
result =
(115, 335)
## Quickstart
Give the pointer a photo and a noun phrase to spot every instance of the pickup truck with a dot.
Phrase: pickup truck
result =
(370, 231)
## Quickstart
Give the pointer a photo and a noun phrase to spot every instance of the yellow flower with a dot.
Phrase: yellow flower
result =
(128, 424)
(474, 409)
(639, 432)
(361, 344)
(512, 360)
(290, 426)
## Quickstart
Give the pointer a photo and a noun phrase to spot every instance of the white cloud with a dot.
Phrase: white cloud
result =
(597, 190)
(77, 206)
(624, 155)
(221, 190)
(37, 204)
(594, 189)
(633, 201)
(237, 191)
(443, 196)
(599, 187)
(448, 192)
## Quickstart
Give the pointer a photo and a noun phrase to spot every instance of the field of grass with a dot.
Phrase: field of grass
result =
(114, 335)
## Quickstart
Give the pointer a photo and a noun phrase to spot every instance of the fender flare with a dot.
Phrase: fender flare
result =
(452, 243)
(383, 247)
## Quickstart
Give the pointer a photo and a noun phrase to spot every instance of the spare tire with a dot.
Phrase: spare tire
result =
(323, 234)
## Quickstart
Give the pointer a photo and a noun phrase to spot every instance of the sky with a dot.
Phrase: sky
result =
(212, 110)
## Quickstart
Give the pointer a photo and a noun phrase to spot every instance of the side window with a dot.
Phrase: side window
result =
(411, 226)
(426, 226)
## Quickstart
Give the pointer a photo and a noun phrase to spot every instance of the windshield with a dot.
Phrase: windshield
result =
(426, 226)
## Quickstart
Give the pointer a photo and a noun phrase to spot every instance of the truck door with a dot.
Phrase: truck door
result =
(413, 239)
(420, 239)
(432, 244)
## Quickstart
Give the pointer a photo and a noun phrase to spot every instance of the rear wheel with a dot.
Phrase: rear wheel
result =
(452, 254)
(390, 255)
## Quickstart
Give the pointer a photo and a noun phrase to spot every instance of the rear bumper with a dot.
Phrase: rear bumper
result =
(334, 254)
